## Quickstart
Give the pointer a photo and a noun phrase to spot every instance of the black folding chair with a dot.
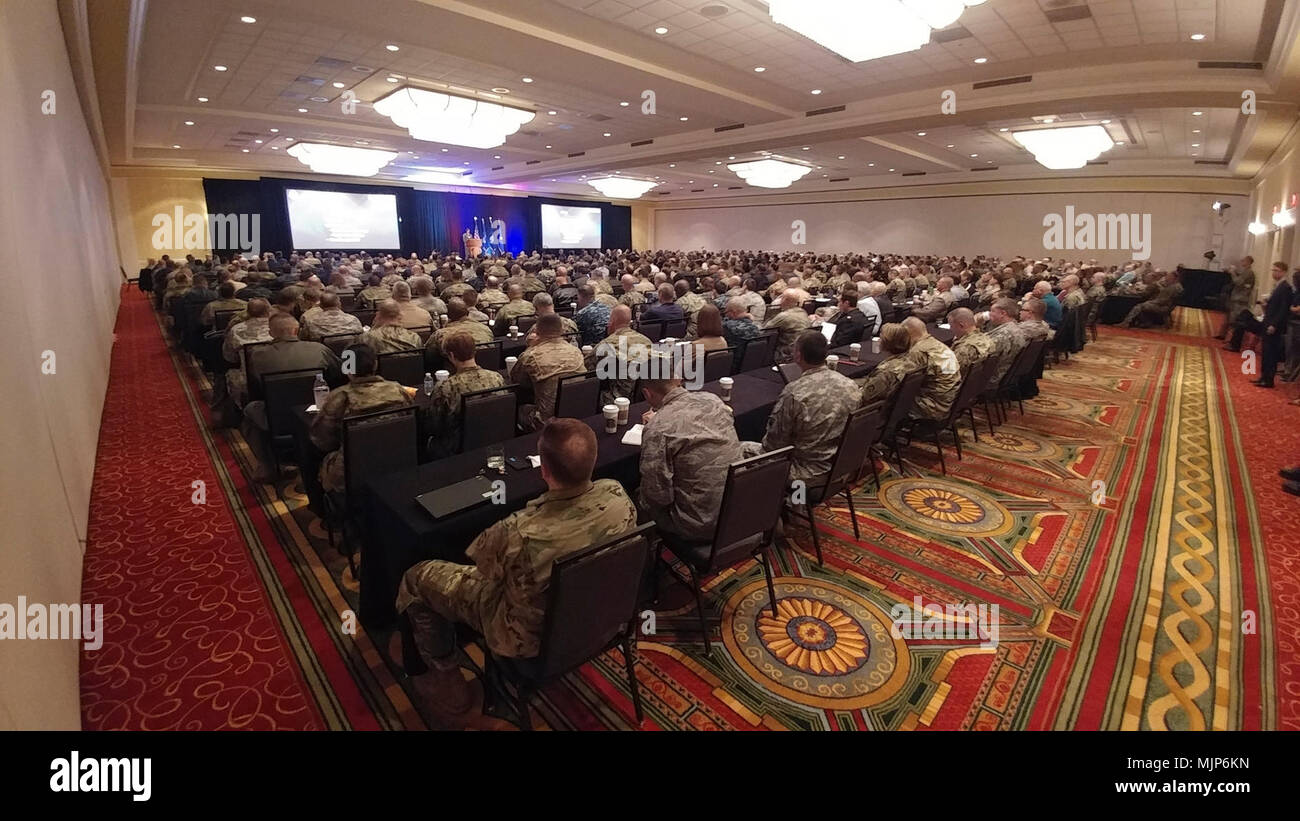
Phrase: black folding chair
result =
(493, 414)
(861, 430)
(674, 328)
(757, 352)
(338, 342)
(221, 319)
(591, 607)
(904, 401)
(717, 364)
(578, 396)
(1029, 359)
(752, 500)
(653, 329)
(283, 391)
(574, 339)
(403, 367)
(526, 323)
(424, 332)
(971, 387)
(490, 356)
(366, 316)
(252, 386)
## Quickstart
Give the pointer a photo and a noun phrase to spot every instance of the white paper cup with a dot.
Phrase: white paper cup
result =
(510, 363)
(622, 404)
(611, 418)
(726, 383)
(587, 350)
(442, 376)
(514, 330)
(855, 351)
(875, 344)
(832, 361)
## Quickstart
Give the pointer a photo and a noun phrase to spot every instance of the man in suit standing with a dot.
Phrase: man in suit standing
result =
(1271, 330)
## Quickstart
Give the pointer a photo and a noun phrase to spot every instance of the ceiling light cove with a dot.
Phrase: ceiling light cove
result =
(769, 173)
(341, 159)
(897, 26)
(444, 118)
(620, 188)
(1062, 148)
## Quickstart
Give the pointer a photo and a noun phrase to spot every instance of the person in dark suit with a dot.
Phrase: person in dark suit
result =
(850, 323)
(1271, 330)
(665, 308)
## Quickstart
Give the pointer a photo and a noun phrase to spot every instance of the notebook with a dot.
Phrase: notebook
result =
(456, 497)
(633, 436)
(828, 330)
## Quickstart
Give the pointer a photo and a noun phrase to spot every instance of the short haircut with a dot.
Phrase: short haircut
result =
(389, 309)
(401, 290)
(708, 322)
(456, 309)
(364, 359)
(1036, 308)
(666, 293)
(587, 290)
(258, 307)
(812, 347)
(681, 287)
(568, 451)
(849, 295)
(459, 345)
(549, 325)
(1008, 306)
(329, 301)
(894, 338)
(543, 300)
(961, 316)
(915, 327)
(226, 290)
(282, 325)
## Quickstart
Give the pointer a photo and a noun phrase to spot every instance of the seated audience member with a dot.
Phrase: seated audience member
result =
(543, 304)
(411, 315)
(1008, 338)
(492, 297)
(883, 382)
(1032, 324)
(875, 306)
(810, 413)
(374, 293)
(738, 325)
(1272, 329)
(938, 305)
(458, 321)
(387, 335)
(690, 303)
(225, 301)
(752, 299)
(709, 332)
(548, 357)
(1097, 291)
(470, 298)
(1156, 310)
(1054, 314)
(515, 307)
(666, 308)
(1071, 296)
(422, 296)
(851, 324)
(630, 296)
(592, 317)
(503, 595)
(285, 353)
(329, 320)
(200, 293)
(177, 289)
(365, 392)
(971, 345)
(621, 357)
(791, 321)
(942, 372)
(687, 445)
(309, 303)
(467, 377)
(257, 328)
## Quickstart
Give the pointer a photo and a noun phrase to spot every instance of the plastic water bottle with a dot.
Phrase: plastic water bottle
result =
(428, 384)
(320, 390)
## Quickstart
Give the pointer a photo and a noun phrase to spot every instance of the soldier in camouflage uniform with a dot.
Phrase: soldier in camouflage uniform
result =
(422, 296)
(1071, 296)
(387, 334)
(1008, 338)
(543, 304)
(365, 392)
(883, 382)
(687, 445)
(329, 320)
(789, 323)
(942, 372)
(971, 345)
(445, 405)
(514, 308)
(738, 326)
(254, 329)
(503, 595)
(631, 296)
(899, 289)
(457, 321)
(621, 352)
(549, 357)
(225, 301)
(373, 293)
(492, 296)
(601, 285)
(810, 412)
(690, 303)
(592, 317)
(1032, 326)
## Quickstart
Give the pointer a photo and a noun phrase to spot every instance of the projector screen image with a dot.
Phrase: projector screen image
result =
(567, 227)
(334, 219)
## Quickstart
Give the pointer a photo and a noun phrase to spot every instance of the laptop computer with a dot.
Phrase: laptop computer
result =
(456, 497)
(789, 372)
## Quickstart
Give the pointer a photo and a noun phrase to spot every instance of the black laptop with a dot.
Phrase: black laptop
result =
(790, 372)
(456, 497)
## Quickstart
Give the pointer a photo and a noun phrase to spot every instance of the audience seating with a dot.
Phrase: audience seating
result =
(403, 367)
(971, 388)
(904, 401)
(861, 430)
(284, 392)
(758, 352)
(338, 342)
(494, 413)
(490, 355)
(578, 396)
(718, 364)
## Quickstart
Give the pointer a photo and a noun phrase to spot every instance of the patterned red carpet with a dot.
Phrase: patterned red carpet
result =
(1129, 528)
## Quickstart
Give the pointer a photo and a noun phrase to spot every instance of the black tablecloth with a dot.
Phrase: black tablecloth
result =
(1202, 288)
(1116, 307)
(401, 533)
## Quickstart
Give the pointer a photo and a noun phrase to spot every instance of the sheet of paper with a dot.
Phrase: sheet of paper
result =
(535, 461)
(828, 330)
(313, 409)
(633, 436)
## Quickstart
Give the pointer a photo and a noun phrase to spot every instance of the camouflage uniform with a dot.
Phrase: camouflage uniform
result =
(413, 316)
(1035, 329)
(593, 322)
(691, 303)
(541, 366)
(390, 339)
(479, 332)
(363, 394)
(942, 377)
(810, 414)
(208, 317)
(884, 381)
(514, 309)
(1009, 340)
(898, 290)
(739, 329)
(685, 452)
(754, 304)
(455, 289)
(492, 297)
(445, 405)
(503, 594)
(837, 282)
(972, 349)
(327, 323)
(601, 285)
(435, 307)
(788, 324)
(633, 297)
(1096, 293)
(1073, 299)
(606, 299)
(636, 347)
(238, 335)
(373, 295)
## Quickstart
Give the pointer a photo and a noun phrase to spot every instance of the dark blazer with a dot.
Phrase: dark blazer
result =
(1277, 311)
(849, 328)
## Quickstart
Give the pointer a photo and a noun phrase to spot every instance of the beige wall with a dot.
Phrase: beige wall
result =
(1003, 219)
(138, 200)
(1274, 186)
(54, 199)
(643, 227)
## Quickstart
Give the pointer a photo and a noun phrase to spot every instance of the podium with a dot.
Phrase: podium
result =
(473, 247)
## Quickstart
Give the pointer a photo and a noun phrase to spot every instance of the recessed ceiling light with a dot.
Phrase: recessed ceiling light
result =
(245, 150)
(496, 156)
(719, 162)
(175, 146)
(989, 162)
(391, 79)
(288, 139)
(275, 131)
(760, 69)
(275, 148)
(1105, 122)
(1003, 130)
(302, 111)
(661, 30)
(815, 91)
(247, 19)
(871, 165)
(363, 142)
(1196, 145)
(391, 47)
(625, 104)
(1198, 36)
(981, 60)
(318, 99)
(465, 163)
(1197, 113)
(710, 170)
(1196, 131)
(189, 122)
(219, 68)
(672, 165)
(1049, 120)
(526, 79)
(950, 145)
(259, 142)
(445, 150)
(973, 156)
(552, 113)
(683, 119)
(203, 99)
(806, 147)
(337, 85)
(891, 169)
(607, 134)
(920, 133)
(1119, 142)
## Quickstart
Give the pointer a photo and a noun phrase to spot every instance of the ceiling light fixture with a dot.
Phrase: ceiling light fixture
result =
(247, 19)
(661, 30)
(979, 61)
(625, 104)
(526, 79)
(1198, 36)
(203, 99)
(337, 85)
(302, 111)
(621, 188)
(391, 47)
(219, 68)
(815, 91)
(683, 119)
(189, 122)
(1284, 218)
(275, 131)
(444, 118)
(920, 133)
(897, 26)
(341, 159)
(769, 173)
(1197, 113)
(175, 146)
(1062, 148)
(760, 69)
(1257, 228)
(607, 134)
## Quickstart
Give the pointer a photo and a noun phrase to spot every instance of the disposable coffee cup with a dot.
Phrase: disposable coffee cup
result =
(875, 344)
(622, 405)
(442, 376)
(587, 349)
(726, 383)
(611, 418)
(855, 351)
(510, 363)
(514, 330)
(832, 361)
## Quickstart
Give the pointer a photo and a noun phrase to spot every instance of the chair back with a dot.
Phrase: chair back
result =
(493, 412)
(338, 342)
(378, 443)
(1024, 364)
(653, 329)
(403, 367)
(489, 355)
(675, 328)
(578, 396)
(904, 399)
(591, 599)
(975, 382)
(424, 332)
(251, 382)
(526, 323)
(861, 430)
(221, 319)
(211, 355)
(758, 352)
(283, 391)
(574, 339)
(347, 301)
(752, 501)
(366, 316)
(717, 364)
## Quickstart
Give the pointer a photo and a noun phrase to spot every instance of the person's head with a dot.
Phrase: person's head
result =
(470, 298)
(877, 289)
(586, 293)
(311, 297)
(620, 317)
(493, 282)
(944, 284)
(1033, 309)
(735, 308)
(283, 326)
(790, 299)
(543, 304)
(459, 347)
(226, 290)
(1247, 261)
(810, 350)
(568, 451)
(962, 321)
(656, 390)
(365, 362)
(401, 292)
(259, 308)
(456, 309)
(1003, 311)
(708, 322)
(848, 299)
(549, 326)
(388, 313)
(1279, 270)
(421, 286)
(1099, 278)
(915, 328)
(375, 279)
(629, 282)
(1042, 289)
(681, 287)
(666, 294)
(894, 338)
(515, 291)
(330, 302)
